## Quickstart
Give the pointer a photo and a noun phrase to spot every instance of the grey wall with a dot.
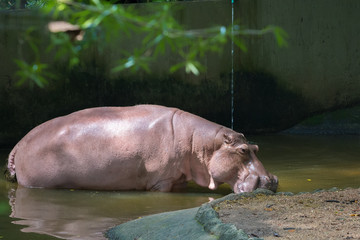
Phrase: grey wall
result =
(322, 62)
(274, 87)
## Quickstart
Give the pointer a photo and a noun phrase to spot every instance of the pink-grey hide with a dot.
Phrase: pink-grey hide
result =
(144, 147)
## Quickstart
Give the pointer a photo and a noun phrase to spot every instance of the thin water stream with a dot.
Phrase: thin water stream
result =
(302, 163)
(232, 66)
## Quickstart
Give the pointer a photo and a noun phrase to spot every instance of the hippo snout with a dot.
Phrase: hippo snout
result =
(268, 182)
(253, 182)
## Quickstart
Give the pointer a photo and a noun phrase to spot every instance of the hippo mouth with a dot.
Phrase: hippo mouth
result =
(270, 183)
(252, 182)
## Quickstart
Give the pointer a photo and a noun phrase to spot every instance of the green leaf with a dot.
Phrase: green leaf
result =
(74, 61)
(281, 36)
(240, 43)
(39, 80)
(35, 72)
(118, 68)
(21, 64)
(176, 67)
(88, 23)
(145, 67)
(191, 68)
(98, 4)
(130, 62)
(102, 21)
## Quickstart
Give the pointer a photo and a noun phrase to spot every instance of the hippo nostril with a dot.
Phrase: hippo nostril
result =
(264, 180)
(268, 182)
(271, 183)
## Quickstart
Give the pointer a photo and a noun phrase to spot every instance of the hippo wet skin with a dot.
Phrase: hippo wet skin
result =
(144, 147)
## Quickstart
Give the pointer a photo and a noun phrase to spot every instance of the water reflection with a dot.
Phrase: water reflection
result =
(302, 163)
(86, 214)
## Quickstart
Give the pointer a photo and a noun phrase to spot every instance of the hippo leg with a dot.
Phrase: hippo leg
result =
(180, 184)
(162, 186)
(167, 185)
(179, 187)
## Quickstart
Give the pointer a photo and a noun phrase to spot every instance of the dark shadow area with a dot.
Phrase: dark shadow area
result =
(263, 106)
(25, 107)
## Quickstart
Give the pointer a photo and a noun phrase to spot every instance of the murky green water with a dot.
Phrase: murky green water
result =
(302, 163)
(307, 163)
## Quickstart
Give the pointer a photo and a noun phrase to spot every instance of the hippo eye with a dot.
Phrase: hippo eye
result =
(243, 148)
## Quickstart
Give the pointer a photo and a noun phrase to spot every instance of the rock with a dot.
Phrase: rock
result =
(170, 225)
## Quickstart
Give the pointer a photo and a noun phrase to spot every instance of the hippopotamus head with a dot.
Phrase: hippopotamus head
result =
(235, 163)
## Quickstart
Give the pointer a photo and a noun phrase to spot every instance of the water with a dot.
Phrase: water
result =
(76, 214)
(302, 163)
(307, 163)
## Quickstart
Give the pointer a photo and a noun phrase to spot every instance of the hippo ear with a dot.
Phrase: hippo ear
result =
(228, 138)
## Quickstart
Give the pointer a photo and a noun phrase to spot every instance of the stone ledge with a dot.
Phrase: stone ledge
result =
(209, 219)
(195, 223)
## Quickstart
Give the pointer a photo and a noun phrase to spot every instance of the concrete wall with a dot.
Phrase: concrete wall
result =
(322, 61)
(274, 88)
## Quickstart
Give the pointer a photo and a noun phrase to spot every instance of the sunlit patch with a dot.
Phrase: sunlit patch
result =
(74, 31)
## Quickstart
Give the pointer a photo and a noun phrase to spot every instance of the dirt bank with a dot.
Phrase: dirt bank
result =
(322, 215)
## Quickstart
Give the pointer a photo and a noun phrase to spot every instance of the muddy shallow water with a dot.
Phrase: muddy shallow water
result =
(302, 163)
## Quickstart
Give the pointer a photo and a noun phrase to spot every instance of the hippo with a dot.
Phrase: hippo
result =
(142, 147)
